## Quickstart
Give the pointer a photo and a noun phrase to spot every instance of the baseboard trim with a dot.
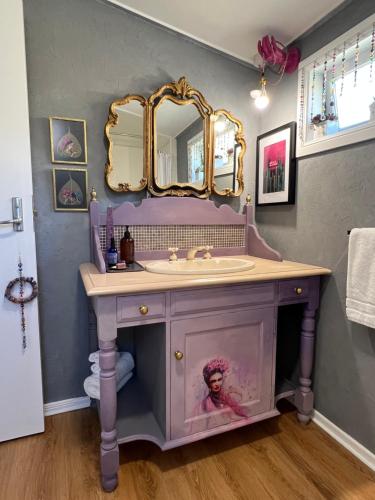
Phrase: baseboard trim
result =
(356, 448)
(66, 405)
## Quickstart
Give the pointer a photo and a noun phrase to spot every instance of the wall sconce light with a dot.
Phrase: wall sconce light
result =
(260, 96)
(279, 60)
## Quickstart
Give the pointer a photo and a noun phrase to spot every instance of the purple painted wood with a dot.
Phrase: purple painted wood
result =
(237, 349)
(96, 250)
(258, 247)
(94, 210)
(109, 452)
(174, 211)
(221, 298)
(249, 214)
(129, 307)
(304, 397)
(291, 291)
(181, 211)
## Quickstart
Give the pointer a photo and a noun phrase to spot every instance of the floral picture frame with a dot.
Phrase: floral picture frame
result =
(68, 140)
(70, 189)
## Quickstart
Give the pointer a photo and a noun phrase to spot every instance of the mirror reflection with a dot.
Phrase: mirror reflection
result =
(179, 145)
(226, 154)
(127, 142)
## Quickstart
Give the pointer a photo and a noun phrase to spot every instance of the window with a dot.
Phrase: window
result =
(336, 85)
(195, 149)
(354, 104)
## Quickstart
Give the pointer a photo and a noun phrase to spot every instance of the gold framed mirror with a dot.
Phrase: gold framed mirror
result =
(180, 126)
(174, 144)
(126, 168)
(229, 148)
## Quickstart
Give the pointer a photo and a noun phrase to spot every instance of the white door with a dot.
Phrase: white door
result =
(21, 399)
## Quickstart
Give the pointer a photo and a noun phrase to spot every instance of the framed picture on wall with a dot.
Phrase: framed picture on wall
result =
(276, 166)
(70, 189)
(68, 140)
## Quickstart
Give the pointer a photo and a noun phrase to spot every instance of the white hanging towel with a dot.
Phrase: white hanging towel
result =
(94, 356)
(360, 290)
(91, 385)
(124, 365)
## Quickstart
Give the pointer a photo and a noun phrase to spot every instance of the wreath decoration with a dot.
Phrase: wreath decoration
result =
(21, 281)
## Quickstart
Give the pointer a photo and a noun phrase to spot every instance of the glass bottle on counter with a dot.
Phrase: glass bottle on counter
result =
(112, 255)
(127, 247)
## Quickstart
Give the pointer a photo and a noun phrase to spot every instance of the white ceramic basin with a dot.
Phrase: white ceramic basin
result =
(219, 265)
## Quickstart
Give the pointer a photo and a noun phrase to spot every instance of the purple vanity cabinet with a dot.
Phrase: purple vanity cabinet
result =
(221, 370)
(204, 347)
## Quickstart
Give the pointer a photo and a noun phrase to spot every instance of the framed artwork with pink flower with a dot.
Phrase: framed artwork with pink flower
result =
(68, 140)
(70, 189)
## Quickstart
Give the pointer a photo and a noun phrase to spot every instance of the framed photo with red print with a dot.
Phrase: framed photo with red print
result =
(276, 166)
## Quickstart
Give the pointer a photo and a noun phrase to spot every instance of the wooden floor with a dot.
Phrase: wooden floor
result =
(277, 458)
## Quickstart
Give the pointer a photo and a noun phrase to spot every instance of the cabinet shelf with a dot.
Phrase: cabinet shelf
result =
(135, 418)
(284, 389)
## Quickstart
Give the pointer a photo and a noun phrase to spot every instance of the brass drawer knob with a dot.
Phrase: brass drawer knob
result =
(298, 290)
(178, 355)
(143, 309)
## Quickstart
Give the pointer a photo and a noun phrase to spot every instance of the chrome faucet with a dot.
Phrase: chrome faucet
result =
(193, 251)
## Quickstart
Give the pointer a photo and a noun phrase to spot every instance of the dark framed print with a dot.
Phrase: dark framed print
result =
(276, 166)
(68, 140)
(70, 189)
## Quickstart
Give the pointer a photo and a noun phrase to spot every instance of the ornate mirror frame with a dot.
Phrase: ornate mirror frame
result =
(240, 139)
(124, 187)
(181, 93)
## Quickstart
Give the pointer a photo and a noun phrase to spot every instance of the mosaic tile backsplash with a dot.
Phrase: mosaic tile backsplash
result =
(184, 237)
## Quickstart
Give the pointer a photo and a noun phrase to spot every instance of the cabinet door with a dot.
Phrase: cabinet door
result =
(226, 371)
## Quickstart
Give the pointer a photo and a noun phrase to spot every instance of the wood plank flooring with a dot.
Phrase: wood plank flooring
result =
(275, 459)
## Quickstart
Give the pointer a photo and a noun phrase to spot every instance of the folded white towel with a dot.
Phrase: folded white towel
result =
(124, 365)
(360, 291)
(94, 356)
(91, 385)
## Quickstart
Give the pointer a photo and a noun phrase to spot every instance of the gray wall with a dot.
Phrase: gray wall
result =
(335, 192)
(81, 55)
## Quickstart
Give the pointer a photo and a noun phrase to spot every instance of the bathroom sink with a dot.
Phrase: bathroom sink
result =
(220, 265)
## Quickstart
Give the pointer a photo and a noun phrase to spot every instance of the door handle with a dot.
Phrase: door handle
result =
(17, 220)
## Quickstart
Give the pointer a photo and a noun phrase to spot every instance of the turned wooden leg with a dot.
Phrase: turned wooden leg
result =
(109, 451)
(304, 397)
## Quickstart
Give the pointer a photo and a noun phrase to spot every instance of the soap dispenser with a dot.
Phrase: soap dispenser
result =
(127, 247)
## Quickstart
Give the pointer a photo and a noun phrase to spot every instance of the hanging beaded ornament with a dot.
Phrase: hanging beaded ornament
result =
(302, 105)
(21, 300)
(313, 92)
(324, 91)
(356, 59)
(372, 52)
(343, 69)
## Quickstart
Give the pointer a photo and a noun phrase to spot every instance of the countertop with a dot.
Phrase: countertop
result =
(97, 283)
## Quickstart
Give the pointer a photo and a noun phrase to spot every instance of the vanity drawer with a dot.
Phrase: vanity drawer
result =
(141, 307)
(293, 290)
(208, 299)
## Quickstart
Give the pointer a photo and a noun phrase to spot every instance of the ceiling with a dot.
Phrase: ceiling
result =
(234, 27)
